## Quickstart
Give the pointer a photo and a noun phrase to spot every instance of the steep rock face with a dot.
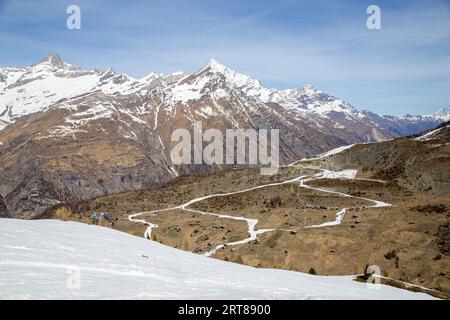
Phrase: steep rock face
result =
(72, 154)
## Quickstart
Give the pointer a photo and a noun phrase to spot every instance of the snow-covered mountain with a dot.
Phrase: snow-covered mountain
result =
(28, 90)
(409, 124)
(33, 89)
(80, 133)
(312, 105)
(50, 259)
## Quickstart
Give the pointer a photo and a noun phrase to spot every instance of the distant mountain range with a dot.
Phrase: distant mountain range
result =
(76, 134)
(28, 90)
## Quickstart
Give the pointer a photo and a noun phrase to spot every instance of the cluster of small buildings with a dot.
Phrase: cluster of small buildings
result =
(33, 193)
(96, 217)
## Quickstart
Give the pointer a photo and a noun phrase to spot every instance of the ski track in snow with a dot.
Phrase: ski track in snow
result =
(251, 223)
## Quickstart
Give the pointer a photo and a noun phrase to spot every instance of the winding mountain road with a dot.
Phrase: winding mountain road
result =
(251, 223)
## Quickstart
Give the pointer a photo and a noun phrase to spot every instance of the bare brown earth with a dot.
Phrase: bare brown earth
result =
(365, 236)
(194, 232)
(287, 206)
(182, 190)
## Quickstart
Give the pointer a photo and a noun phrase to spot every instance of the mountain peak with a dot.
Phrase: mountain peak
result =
(236, 79)
(215, 65)
(442, 114)
(309, 88)
(107, 74)
(53, 62)
(444, 110)
(53, 59)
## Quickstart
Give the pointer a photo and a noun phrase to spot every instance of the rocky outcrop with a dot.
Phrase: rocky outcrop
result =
(3, 208)
(443, 238)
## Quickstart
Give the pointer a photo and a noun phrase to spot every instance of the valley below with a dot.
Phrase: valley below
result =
(304, 219)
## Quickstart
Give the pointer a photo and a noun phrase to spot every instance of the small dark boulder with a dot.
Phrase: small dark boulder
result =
(3, 209)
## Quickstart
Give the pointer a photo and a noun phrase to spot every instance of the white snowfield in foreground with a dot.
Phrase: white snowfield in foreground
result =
(39, 260)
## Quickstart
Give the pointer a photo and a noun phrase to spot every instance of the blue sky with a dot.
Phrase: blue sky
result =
(402, 68)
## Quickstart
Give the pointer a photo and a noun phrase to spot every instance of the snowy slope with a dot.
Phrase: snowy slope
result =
(35, 88)
(28, 90)
(37, 259)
